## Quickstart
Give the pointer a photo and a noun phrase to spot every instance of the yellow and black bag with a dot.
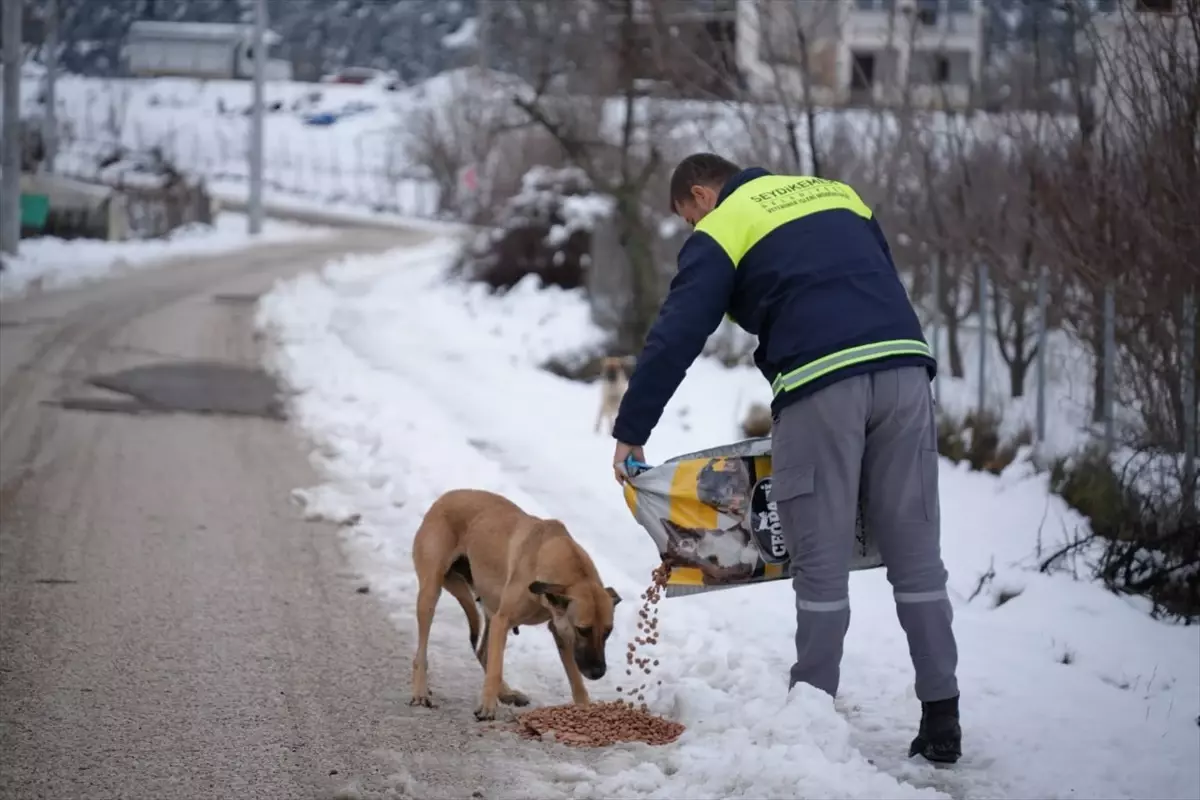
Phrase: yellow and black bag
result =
(711, 516)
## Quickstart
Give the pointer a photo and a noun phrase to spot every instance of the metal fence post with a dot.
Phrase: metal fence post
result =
(1042, 300)
(1110, 365)
(10, 185)
(937, 327)
(1188, 365)
(982, 280)
(255, 200)
(50, 120)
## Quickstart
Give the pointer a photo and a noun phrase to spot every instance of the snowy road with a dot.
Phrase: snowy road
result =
(171, 626)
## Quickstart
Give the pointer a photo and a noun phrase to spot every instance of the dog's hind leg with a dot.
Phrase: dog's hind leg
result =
(508, 695)
(456, 585)
(427, 598)
(430, 565)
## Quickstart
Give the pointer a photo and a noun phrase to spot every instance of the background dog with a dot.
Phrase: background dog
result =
(757, 421)
(613, 383)
(524, 570)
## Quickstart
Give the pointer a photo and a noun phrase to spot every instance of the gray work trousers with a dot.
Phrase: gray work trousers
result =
(877, 433)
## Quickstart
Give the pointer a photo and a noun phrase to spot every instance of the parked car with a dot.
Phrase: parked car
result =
(365, 76)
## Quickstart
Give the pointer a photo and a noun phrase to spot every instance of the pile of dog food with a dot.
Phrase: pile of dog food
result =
(598, 725)
(603, 724)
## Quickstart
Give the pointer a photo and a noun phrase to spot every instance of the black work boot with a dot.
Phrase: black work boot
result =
(940, 737)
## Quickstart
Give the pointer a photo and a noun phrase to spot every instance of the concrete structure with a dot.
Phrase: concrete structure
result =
(199, 50)
(96, 211)
(928, 53)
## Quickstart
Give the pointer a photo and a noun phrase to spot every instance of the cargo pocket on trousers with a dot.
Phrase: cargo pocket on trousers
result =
(929, 483)
(795, 519)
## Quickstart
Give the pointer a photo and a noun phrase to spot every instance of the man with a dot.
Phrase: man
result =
(802, 263)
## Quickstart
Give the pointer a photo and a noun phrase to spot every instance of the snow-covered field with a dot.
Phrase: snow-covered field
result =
(48, 263)
(361, 151)
(359, 158)
(1068, 691)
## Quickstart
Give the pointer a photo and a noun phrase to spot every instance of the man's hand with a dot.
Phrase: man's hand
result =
(622, 452)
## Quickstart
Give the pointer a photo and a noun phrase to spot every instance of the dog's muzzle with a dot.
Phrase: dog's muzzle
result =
(594, 672)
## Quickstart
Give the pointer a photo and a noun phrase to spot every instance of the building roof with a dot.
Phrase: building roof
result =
(197, 31)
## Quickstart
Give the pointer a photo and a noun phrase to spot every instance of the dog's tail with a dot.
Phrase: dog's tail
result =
(457, 585)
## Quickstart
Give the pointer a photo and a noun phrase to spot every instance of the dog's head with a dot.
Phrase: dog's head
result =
(611, 368)
(581, 617)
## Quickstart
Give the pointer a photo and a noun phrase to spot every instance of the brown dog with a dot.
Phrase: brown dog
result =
(524, 570)
(613, 384)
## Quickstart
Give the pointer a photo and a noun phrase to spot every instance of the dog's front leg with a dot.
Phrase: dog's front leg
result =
(579, 692)
(493, 677)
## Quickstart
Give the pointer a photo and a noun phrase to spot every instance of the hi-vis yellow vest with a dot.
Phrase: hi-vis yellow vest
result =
(762, 205)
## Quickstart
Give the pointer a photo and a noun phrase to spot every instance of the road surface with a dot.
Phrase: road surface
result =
(170, 627)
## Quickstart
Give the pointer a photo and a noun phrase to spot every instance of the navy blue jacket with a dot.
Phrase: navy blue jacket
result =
(812, 288)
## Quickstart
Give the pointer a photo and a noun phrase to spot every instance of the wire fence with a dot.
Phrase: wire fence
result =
(357, 176)
(1107, 411)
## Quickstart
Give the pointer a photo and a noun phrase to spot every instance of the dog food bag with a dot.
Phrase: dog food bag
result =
(711, 516)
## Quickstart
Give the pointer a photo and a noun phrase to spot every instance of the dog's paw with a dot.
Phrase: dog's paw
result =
(514, 698)
(485, 714)
(425, 700)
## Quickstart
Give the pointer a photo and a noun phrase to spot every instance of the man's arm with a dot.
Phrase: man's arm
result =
(698, 299)
(873, 224)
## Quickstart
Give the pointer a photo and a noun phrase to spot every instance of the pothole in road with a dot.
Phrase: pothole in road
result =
(236, 299)
(193, 387)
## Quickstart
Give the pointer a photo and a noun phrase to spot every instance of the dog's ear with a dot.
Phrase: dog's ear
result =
(554, 592)
(616, 598)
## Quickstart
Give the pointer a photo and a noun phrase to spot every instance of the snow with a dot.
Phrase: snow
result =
(467, 35)
(1068, 691)
(365, 156)
(50, 263)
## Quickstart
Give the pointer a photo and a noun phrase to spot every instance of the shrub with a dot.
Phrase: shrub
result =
(545, 230)
(1149, 538)
(975, 438)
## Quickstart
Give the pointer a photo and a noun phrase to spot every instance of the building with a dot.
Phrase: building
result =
(927, 53)
(199, 50)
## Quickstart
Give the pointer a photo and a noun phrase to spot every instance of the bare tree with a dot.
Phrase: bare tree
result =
(580, 54)
(1139, 235)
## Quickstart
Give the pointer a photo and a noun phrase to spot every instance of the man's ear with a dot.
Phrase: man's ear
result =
(616, 598)
(554, 592)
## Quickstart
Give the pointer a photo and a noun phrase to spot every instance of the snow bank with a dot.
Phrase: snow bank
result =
(409, 386)
(50, 263)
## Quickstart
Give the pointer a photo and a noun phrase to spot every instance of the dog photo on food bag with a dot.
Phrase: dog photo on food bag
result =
(485, 550)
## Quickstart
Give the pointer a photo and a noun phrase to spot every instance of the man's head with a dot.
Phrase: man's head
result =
(696, 184)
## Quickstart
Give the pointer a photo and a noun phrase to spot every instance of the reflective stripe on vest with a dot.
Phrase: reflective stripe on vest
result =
(760, 206)
(845, 358)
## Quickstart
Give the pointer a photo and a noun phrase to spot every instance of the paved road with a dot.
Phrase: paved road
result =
(170, 627)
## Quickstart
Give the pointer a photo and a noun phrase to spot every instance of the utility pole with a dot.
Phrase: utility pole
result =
(255, 204)
(482, 35)
(50, 119)
(10, 183)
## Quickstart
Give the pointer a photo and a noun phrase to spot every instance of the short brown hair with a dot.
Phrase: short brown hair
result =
(700, 169)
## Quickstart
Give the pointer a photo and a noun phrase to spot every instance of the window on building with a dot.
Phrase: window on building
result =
(959, 6)
(867, 5)
(862, 75)
(927, 12)
(1105, 6)
(1161, 6)
(941, 69)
